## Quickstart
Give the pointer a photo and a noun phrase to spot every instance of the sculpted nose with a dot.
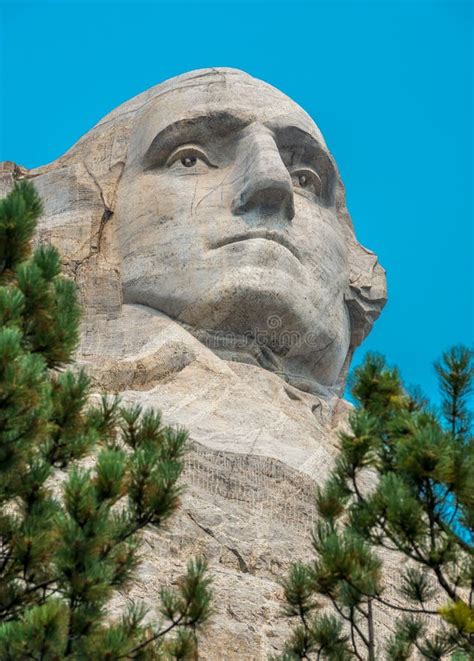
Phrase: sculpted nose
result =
(265, 184)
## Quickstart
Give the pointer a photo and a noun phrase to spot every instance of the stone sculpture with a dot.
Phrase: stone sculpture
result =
(205, 224)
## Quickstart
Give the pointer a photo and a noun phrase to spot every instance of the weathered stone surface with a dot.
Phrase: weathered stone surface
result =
(205, 224)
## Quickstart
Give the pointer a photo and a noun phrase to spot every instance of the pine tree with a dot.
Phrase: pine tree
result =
(403, 482)
(70, 535)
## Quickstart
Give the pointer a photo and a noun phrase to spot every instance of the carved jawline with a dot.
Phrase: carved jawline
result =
(242, 349)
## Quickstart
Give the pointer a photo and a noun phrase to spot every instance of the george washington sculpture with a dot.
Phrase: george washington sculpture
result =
(205, 224)
(225, 212)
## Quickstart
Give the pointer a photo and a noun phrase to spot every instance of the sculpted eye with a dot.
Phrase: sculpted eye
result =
(189, 161)
(188, 156)
(307, 180)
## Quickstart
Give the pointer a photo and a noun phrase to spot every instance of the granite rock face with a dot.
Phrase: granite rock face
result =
(205, 224)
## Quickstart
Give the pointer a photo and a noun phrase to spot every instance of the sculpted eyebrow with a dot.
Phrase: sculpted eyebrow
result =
(298, 147)
(198, 129)
(304, 146)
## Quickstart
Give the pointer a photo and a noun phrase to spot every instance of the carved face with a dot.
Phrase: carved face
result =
(227, 222)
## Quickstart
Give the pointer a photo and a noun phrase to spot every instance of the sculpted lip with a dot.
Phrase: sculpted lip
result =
(269, 235)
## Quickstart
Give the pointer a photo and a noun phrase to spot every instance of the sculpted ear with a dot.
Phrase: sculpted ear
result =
(366, 293)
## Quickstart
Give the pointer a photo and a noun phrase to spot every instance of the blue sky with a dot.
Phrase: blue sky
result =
(389, 83)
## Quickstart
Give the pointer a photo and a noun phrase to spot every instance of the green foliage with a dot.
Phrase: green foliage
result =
(459, 615)
(318, 634)
(323, 636)
(403, 481)
(19, 212)
(408, 630)
(66, 549)
(456, 374)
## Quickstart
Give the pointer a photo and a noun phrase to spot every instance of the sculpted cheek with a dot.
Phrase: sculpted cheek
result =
(325, 254)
